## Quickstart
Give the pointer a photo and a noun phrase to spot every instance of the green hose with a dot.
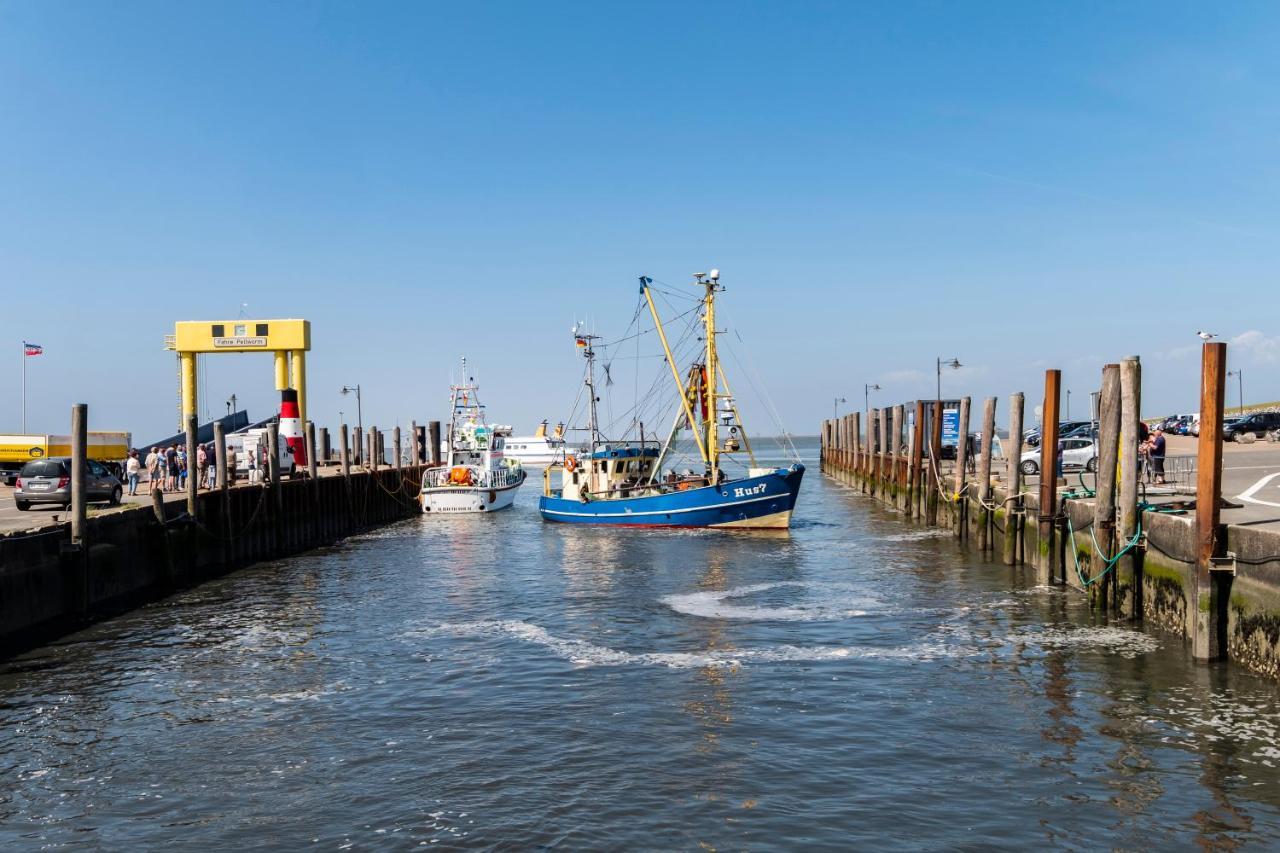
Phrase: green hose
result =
(1111, 562)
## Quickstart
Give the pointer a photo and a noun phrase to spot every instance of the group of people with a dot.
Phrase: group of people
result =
(168, 468)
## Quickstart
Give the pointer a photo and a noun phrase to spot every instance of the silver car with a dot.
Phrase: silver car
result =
(1077, 453)
(48, 481)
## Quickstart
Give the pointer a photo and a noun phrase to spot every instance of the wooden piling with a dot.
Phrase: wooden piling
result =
(273, 453)
(960, 506)
(897, 488)
(855, 436)
(433, 436)
(375, 458)
(885, 457)
(1102, 583)
(1128, 589)
(79, 471)
(984, 474)
(1047, 519)
(915, 502)
(312, 464)
(357, 447)
(1013, 517)
(1211, 591)
(193, 470)
(344, 455)
(934, 476)
(219, 456)
(396, 449)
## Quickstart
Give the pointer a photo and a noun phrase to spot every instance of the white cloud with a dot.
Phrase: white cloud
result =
(1257, 346)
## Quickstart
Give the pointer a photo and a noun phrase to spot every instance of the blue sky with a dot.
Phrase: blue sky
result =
(1018, 185)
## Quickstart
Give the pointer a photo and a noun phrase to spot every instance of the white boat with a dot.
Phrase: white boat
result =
(538, 450)
(477, 475)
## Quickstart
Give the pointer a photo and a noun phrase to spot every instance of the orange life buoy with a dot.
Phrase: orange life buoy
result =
(571, 463)
(460, 476)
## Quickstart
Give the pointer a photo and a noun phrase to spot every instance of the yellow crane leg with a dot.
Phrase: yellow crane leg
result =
(298, 362)
(187, 362)
(282, 369)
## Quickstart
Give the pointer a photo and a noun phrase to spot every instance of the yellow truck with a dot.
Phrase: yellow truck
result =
(110, 448)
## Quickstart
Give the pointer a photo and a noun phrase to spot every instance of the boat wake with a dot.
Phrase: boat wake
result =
(584, 654)
(837, 602)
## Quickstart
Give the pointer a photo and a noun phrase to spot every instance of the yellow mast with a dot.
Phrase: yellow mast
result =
(671, 362)
(711, 383)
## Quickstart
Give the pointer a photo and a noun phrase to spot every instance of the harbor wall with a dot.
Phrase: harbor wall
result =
(1154, 585)
(50, 586)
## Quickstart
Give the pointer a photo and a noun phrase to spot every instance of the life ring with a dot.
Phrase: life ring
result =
(571, 463)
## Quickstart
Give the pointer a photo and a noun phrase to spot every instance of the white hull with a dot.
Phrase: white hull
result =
(457, 499)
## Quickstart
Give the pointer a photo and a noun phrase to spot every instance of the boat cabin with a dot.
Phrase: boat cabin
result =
(611, 472)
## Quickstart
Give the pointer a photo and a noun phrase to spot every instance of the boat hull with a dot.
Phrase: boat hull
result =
(761, 502)
(451, 500)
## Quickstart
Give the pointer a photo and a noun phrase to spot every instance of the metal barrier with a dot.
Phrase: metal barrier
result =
(1179, 474)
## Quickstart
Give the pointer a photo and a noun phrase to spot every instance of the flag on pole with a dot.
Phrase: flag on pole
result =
(31, 349)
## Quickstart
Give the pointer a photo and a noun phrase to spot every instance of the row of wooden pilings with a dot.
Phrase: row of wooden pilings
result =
(897, 459)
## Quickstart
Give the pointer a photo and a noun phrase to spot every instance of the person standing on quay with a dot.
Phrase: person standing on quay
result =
(1157, 454)
(171, 468)
(132, 468)
(153, 472)
(202, 466)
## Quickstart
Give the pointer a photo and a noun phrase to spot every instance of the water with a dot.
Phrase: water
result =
(497, 682)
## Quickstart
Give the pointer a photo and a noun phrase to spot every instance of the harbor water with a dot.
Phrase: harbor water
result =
(499, 682)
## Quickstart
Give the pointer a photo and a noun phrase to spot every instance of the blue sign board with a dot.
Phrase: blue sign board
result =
(950, 427)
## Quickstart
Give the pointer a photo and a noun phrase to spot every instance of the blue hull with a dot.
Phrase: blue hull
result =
(752, 502)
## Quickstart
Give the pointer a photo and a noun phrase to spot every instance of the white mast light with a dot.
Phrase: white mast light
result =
(714, 275)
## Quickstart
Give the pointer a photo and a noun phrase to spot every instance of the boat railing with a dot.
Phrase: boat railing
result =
(475, 477)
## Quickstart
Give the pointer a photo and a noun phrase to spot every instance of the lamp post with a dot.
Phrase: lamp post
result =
(1068, 404)
(866, 395)
(953, 363)
(1239, 375)
(347, 389)
(835, 407)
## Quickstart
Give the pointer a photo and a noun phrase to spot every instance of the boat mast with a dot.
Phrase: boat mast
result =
(588, 351)
(711, 382)
(645, 281)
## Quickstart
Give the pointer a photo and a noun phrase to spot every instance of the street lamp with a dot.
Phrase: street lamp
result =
(866, 395)
(835, 407)
(347, 389)
(1239, 375)
(953, 363)
(1068, 404)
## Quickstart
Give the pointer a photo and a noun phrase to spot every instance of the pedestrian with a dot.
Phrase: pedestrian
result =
(202, 466)
(171, 468)
(153, 472)
(132, 469)
(1157, 454)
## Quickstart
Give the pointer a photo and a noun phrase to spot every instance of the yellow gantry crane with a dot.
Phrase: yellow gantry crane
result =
(287, 340)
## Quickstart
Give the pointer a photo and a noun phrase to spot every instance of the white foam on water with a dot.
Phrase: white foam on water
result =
(584, 654)
(917, 535)
(1120, 641)
(836, 603)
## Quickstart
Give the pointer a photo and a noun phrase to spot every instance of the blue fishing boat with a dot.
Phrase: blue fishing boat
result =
(627, 482)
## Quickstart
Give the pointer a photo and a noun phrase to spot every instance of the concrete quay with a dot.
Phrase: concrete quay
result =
(51, 585)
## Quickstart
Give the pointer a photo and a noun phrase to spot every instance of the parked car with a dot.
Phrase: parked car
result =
(48, 481)
(1031, 438)
(1258, 424)
(1085, 430)
(1077, 453)
(1194, 429)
